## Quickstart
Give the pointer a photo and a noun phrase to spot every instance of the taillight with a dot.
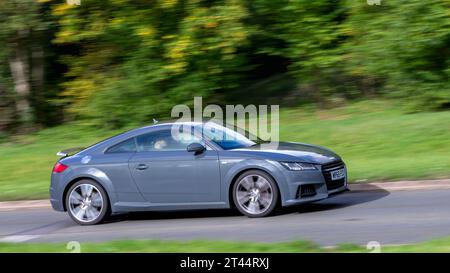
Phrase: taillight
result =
(59, 168)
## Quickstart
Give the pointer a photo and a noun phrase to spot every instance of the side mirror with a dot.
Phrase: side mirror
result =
(195, 147)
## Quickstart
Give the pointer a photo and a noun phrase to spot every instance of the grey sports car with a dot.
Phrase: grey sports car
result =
(211, 166)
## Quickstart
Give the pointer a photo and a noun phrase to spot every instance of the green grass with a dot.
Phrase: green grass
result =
(376, 139)
(139, 246)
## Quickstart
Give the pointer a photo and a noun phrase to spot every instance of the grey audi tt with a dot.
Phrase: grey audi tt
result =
(207, 166)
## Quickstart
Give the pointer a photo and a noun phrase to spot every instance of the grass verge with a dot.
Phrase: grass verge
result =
(437, 246)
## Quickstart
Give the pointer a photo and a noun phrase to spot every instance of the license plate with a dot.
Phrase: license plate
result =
(338, 174)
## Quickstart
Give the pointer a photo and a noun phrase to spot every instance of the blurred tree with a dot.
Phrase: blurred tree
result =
(23, 28)
(309, 34)
(406, 45)
(138, 58)
(131, 60)
(17, 19)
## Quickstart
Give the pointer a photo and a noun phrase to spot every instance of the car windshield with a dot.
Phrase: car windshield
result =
(226, 138)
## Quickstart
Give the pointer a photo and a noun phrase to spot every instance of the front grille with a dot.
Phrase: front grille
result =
(326, 171)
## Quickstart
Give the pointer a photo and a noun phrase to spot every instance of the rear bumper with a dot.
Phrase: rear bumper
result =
(56, 193)
(57, 205)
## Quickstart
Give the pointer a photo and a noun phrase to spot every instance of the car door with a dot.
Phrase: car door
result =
(167, 174)
(114, 163)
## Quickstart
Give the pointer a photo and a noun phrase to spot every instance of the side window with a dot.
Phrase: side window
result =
(164, 141)
(127, 146)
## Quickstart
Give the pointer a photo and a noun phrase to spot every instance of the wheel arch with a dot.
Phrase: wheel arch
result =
(75, 180)
(236, 176)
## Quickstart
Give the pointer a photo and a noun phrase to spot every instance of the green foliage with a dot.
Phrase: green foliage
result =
(18, 18)
(406, 45)
(25, 28)
(139, 59)
(310, 32)
(129, 61)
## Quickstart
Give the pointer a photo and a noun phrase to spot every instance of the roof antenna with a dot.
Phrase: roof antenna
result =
(155, 121)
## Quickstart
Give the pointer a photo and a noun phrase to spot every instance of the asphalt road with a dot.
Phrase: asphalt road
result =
(356, 217)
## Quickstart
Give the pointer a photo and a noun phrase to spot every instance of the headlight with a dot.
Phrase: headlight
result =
(296, 166)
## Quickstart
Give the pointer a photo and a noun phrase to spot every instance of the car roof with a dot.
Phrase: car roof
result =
(99, 146)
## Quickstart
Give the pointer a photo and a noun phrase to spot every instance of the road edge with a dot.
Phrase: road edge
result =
(372, 186)
(411, 185)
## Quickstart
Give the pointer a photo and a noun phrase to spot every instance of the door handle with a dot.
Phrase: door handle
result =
(141, 167)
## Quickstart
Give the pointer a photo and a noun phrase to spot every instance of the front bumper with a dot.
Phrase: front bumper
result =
(311, 186)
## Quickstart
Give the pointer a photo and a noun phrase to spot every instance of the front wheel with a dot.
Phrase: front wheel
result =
(87, 202)
(255, 194)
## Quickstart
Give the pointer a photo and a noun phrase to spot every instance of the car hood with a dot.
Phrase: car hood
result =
(292, 151)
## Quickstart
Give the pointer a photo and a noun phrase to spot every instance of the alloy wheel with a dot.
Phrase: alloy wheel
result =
(86, 203)
(254, 194)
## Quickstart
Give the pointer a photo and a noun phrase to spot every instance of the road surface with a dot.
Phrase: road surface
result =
(397, 217)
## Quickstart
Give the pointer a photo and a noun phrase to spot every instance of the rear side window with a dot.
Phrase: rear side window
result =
(164, 141)
(127, 146)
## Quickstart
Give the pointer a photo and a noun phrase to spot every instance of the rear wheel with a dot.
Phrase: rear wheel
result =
(255, 194)
(87, 202)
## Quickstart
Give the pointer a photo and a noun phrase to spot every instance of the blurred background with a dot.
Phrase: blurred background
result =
(369, 79)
